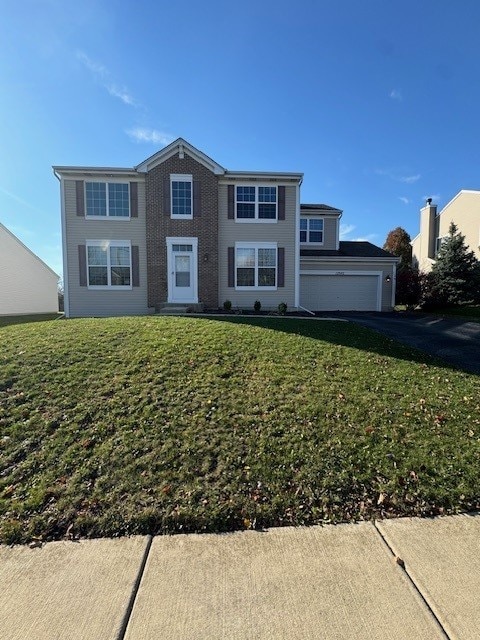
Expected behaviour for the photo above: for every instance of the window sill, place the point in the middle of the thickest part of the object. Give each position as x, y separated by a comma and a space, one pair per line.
109, 288
123, 218
256, 288
256, 220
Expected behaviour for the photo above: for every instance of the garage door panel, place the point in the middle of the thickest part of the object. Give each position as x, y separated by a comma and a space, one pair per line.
339, 293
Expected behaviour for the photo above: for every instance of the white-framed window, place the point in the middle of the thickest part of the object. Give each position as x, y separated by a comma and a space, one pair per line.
256, 265
256, 203
181, 196
109, 264
438, 243
311, 230
107, 199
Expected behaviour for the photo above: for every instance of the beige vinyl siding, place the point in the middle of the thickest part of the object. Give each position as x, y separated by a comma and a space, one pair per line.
464, 211
386, 269
330, 230
27, 285
282, 232
88, 302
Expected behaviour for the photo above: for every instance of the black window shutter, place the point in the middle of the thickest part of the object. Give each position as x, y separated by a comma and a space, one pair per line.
231, 201
134, 199
231, 266
197, 203
166, 197
281, 267
82, 264
281, 203
135, 267
80, 197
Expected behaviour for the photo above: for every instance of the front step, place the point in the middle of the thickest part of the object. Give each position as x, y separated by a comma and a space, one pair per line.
170, 308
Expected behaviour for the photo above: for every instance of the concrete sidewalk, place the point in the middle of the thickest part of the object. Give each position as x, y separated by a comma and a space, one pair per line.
399, 579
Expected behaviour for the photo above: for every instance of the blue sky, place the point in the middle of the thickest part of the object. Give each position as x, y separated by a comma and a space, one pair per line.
376, 102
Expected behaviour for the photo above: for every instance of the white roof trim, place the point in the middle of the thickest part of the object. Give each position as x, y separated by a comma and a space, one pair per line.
2, 226
179, 146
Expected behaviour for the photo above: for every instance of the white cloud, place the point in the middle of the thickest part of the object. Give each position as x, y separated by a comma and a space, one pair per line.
142, 134
404, 200
371, 237
395, 94
410, 179
346, 230
394, 175
103, 75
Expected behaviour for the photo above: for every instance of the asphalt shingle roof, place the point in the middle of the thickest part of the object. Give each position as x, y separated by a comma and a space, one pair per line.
349, 249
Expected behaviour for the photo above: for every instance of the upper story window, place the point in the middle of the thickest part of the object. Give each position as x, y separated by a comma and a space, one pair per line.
109, 264
311, 230
438, 243
256, 203
107, 199
181, 194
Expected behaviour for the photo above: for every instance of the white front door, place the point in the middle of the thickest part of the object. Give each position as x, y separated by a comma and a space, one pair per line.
182, 270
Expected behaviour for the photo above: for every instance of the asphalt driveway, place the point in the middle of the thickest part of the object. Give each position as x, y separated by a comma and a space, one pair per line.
454, 340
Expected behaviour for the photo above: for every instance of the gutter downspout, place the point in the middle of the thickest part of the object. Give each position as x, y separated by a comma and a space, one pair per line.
307, 310
66, 300
297, 247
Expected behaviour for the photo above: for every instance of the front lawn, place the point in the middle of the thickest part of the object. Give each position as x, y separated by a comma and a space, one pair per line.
160, 424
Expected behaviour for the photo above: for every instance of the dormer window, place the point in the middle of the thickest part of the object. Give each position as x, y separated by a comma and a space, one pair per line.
311, 230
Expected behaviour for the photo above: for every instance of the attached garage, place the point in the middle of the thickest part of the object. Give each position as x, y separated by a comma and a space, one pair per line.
341, 290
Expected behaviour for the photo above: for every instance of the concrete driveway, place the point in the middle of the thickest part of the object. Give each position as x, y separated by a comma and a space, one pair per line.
455, 341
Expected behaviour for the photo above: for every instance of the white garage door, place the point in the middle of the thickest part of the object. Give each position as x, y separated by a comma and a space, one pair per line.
339, 292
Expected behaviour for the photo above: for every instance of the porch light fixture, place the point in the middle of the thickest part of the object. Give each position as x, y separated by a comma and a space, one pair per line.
387, 278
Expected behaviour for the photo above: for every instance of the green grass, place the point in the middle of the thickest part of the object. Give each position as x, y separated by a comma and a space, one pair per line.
34, 317
152, 425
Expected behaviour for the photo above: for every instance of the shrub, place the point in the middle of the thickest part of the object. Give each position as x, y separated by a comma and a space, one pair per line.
227, 305
257, 305
282, 308
408, 288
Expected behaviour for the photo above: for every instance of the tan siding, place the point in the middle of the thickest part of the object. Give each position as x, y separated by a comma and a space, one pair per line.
27, 285
330, 235
86, 302
387, 269
464, 211
282, 232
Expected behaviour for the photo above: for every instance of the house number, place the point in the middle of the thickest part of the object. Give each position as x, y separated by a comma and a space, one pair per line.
340, 273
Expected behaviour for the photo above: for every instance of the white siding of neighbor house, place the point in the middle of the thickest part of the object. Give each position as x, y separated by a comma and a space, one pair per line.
283, 232
27, 284
87, 302
386, 269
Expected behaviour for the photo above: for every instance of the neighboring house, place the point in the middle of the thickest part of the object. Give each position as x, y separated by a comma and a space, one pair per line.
27, 285
463, 210
179, 229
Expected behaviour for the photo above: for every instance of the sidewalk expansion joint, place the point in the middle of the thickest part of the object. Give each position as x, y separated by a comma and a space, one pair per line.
402, 565
133, 595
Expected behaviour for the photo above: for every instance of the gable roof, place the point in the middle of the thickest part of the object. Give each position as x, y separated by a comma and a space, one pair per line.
179, 146
350, 249
24, 247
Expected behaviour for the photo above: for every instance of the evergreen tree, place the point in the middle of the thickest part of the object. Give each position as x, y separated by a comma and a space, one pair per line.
398, 243
454, 279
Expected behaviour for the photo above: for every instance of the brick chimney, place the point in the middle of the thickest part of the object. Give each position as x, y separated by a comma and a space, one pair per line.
428, 229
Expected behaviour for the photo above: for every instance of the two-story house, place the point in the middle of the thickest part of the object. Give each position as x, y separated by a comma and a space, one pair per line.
179, 229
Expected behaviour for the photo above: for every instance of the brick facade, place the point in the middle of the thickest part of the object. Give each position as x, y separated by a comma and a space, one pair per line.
159, 226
